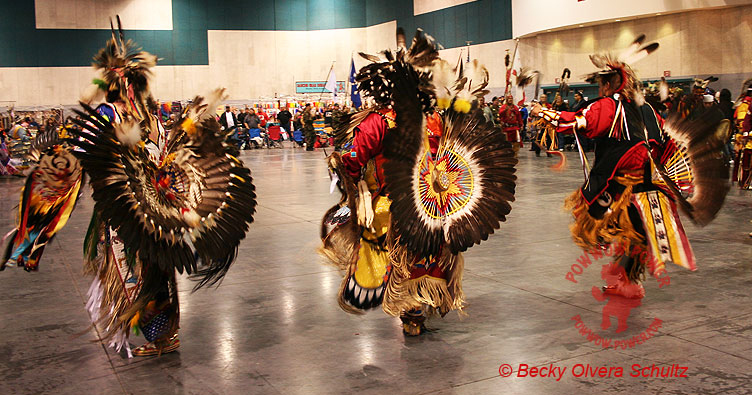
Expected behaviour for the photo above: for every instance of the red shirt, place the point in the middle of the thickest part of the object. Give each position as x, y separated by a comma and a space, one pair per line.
597, 120
510, 117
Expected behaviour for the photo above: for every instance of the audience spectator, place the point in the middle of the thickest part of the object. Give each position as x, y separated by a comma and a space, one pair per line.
579, 104
309, 114
284, 118
495, 107
538, 132
487, 112
228, 119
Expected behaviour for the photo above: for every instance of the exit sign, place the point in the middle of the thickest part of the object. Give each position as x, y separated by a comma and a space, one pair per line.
667, 73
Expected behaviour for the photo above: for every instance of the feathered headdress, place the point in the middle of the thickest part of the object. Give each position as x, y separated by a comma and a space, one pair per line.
629, 86
125, 70
703, 83
375, 79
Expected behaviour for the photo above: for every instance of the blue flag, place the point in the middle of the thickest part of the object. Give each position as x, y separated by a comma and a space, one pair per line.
354, 95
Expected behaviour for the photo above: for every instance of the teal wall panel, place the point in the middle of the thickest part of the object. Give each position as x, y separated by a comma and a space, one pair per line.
22, 45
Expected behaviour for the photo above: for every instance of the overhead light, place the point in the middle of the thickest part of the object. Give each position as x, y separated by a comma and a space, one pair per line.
658, 13
582, 25
618, 20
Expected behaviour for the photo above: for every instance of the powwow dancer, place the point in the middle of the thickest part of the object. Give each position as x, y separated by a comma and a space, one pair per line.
643, 167
423, 177
159, 207
47, 200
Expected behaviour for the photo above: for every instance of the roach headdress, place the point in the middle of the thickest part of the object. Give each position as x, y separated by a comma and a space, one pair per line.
629, 85
125, 70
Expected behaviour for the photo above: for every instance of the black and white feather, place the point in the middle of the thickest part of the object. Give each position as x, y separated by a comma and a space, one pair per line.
197, 203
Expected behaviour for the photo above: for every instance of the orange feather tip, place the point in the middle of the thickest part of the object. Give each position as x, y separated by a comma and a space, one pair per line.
562, 160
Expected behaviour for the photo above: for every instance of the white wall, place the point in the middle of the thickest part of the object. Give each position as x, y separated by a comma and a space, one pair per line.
253, 64
697, 43
264, 63
531, 16
250, 64
96, 14
425, 6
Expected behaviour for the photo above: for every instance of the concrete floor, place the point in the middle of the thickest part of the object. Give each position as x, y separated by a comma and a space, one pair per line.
274, 326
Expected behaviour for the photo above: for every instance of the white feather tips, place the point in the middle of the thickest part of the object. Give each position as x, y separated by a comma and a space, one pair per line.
444, 81
462, 84
128, 132
192, 218
203, 108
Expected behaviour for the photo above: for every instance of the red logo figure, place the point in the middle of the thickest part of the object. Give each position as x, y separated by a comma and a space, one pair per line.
621, 295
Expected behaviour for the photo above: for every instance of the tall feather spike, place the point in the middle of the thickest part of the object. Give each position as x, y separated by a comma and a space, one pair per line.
401, 40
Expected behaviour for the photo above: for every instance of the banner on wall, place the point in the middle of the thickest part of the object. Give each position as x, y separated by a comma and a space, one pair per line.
317, 87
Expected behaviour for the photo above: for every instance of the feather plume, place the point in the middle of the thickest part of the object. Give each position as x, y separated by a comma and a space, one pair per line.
695, 169
128, 132
632, 48
641, 54
564, 85
369, 57
126, 70
444, 82
423, 51
92, 94
525, 76
475, 79
746, 85
401, 40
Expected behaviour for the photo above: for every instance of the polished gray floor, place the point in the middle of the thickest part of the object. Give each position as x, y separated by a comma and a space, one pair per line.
273, 326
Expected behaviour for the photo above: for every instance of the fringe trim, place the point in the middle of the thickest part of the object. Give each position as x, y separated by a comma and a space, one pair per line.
404, 294
614, 228
350, 267
108, 298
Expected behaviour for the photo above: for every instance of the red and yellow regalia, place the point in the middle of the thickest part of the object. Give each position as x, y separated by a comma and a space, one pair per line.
743, 140
415, 177
644, 168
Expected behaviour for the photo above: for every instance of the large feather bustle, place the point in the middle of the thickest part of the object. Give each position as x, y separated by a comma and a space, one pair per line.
48, 198
483, 148
147, 203
698, 141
